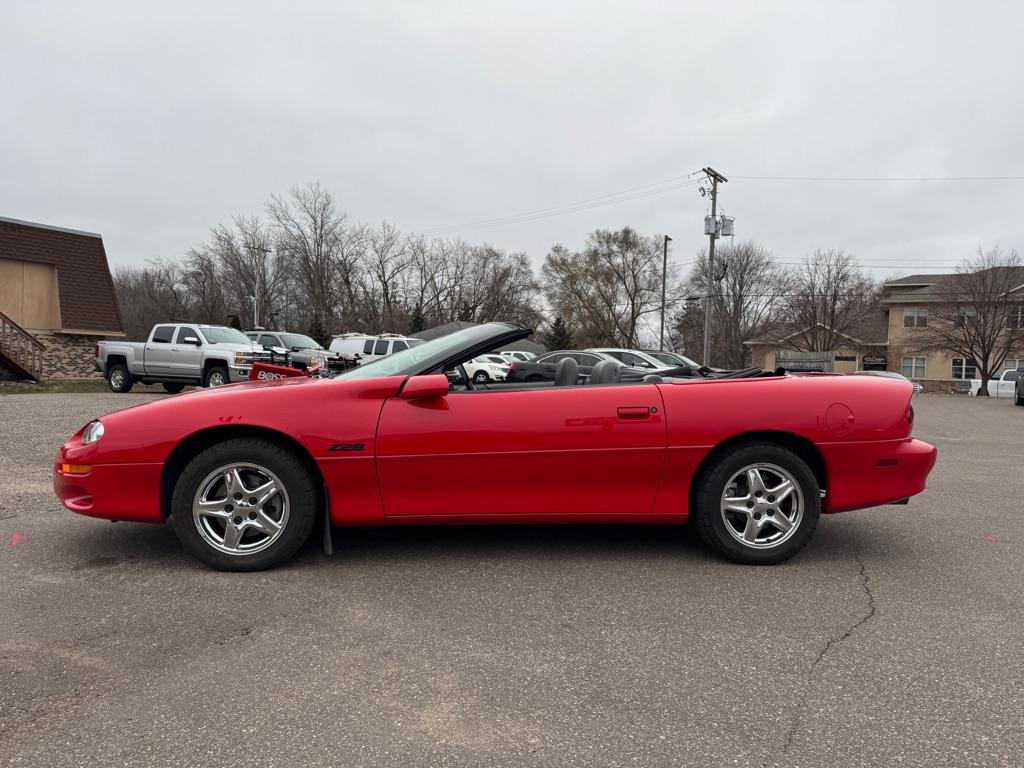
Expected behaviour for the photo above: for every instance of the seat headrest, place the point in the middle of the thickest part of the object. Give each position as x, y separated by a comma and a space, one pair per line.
653, 378
606, 372
567, 372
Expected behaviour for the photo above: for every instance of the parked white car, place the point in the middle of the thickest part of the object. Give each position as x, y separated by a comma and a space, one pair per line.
634, 358
371, 347
1002, 387
487, 368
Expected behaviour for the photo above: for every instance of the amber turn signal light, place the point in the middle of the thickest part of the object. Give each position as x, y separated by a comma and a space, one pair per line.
76, 469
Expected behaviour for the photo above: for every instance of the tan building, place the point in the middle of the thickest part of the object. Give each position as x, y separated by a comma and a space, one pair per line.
896, 339
56, 300
862, 348
910, 303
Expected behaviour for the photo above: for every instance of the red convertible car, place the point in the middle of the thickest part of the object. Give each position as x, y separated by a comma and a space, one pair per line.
246, 472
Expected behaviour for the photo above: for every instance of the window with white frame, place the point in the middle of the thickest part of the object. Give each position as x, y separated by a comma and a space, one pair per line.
964, 369
913, 367
915, 317
1015, 320
1010, 362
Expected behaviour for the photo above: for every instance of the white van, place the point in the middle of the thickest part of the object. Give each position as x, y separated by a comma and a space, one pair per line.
371, 347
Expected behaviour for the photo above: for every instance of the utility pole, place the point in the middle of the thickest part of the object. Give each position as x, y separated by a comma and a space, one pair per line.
263, 251
664, 278
715, 177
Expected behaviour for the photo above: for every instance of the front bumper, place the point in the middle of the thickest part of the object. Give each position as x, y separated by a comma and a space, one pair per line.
238, 373
129, 492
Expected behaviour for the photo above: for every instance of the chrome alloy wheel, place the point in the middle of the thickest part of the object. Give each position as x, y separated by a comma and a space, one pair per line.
240, 509
117, 378
217, 379
762, 506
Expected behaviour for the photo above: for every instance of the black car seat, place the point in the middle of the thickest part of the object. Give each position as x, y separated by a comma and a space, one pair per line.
606, 372
567, 372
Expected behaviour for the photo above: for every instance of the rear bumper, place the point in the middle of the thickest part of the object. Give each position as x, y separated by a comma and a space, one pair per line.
870, 474
129, 492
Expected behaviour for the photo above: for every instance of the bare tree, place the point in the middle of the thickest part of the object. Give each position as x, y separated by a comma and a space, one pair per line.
321, 247
827, 296
746, 296
977, 314
610, 288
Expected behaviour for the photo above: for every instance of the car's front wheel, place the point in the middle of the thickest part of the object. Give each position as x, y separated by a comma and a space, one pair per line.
758, 504
215, 377
481, 377
244, 505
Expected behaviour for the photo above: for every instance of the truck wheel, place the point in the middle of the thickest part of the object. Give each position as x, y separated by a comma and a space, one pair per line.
757, 504
1017, 399
173, 388
119, 379
244, 505
216, 376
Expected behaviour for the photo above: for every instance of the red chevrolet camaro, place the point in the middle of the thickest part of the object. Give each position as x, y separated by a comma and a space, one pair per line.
245, 472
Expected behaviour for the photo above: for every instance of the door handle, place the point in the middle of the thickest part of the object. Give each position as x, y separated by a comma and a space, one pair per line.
634, 412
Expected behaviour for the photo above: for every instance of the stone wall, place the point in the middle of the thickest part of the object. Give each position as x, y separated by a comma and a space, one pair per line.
68, 356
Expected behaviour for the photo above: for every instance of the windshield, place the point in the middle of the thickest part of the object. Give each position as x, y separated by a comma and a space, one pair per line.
299, 341
404, 362
224, 336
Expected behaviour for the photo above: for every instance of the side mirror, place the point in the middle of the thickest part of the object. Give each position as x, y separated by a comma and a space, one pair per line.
432, 386
192, 340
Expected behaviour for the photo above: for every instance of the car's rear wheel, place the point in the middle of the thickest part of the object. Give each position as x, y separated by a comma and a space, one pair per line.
216, 376
244, 505
757, 504
173, 388
119, 379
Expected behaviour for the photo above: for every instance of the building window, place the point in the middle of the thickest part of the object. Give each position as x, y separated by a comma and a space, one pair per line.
1016, 318
964, 314
1013, 364
964, 369
915, 317
845, 358
913, 367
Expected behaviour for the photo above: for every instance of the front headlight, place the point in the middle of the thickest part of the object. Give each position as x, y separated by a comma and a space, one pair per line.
93, 432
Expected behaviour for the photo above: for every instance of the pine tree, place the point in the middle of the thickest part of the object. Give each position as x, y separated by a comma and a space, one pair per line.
317, 333
558, 335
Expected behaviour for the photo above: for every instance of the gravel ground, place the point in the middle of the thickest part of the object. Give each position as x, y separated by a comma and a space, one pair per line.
895, 638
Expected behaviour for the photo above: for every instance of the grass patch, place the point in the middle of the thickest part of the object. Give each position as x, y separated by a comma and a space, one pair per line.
83, 386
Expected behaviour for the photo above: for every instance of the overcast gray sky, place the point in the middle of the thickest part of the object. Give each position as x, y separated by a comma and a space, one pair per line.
150, 124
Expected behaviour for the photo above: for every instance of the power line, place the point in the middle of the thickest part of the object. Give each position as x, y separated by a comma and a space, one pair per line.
611, 198
880, 178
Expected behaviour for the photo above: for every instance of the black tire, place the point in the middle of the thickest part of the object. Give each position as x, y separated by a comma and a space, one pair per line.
481, 377
298, 483
173, 388
213, 372
119, 379
710, 486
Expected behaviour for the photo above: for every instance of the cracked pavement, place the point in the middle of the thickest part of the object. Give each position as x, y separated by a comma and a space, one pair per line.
895, 638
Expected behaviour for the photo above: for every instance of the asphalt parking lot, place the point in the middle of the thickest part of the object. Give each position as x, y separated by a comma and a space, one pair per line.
895, 638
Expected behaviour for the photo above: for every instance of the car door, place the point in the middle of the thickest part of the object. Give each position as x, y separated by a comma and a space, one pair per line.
158, 357
572, 451
187, 357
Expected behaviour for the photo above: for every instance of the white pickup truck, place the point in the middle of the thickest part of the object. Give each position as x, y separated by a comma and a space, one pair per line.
178, 354
1002, 387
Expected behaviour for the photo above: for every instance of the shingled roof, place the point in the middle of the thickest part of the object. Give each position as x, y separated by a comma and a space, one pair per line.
86, 291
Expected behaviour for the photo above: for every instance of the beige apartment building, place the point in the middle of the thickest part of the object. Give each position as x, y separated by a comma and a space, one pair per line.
894, 340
